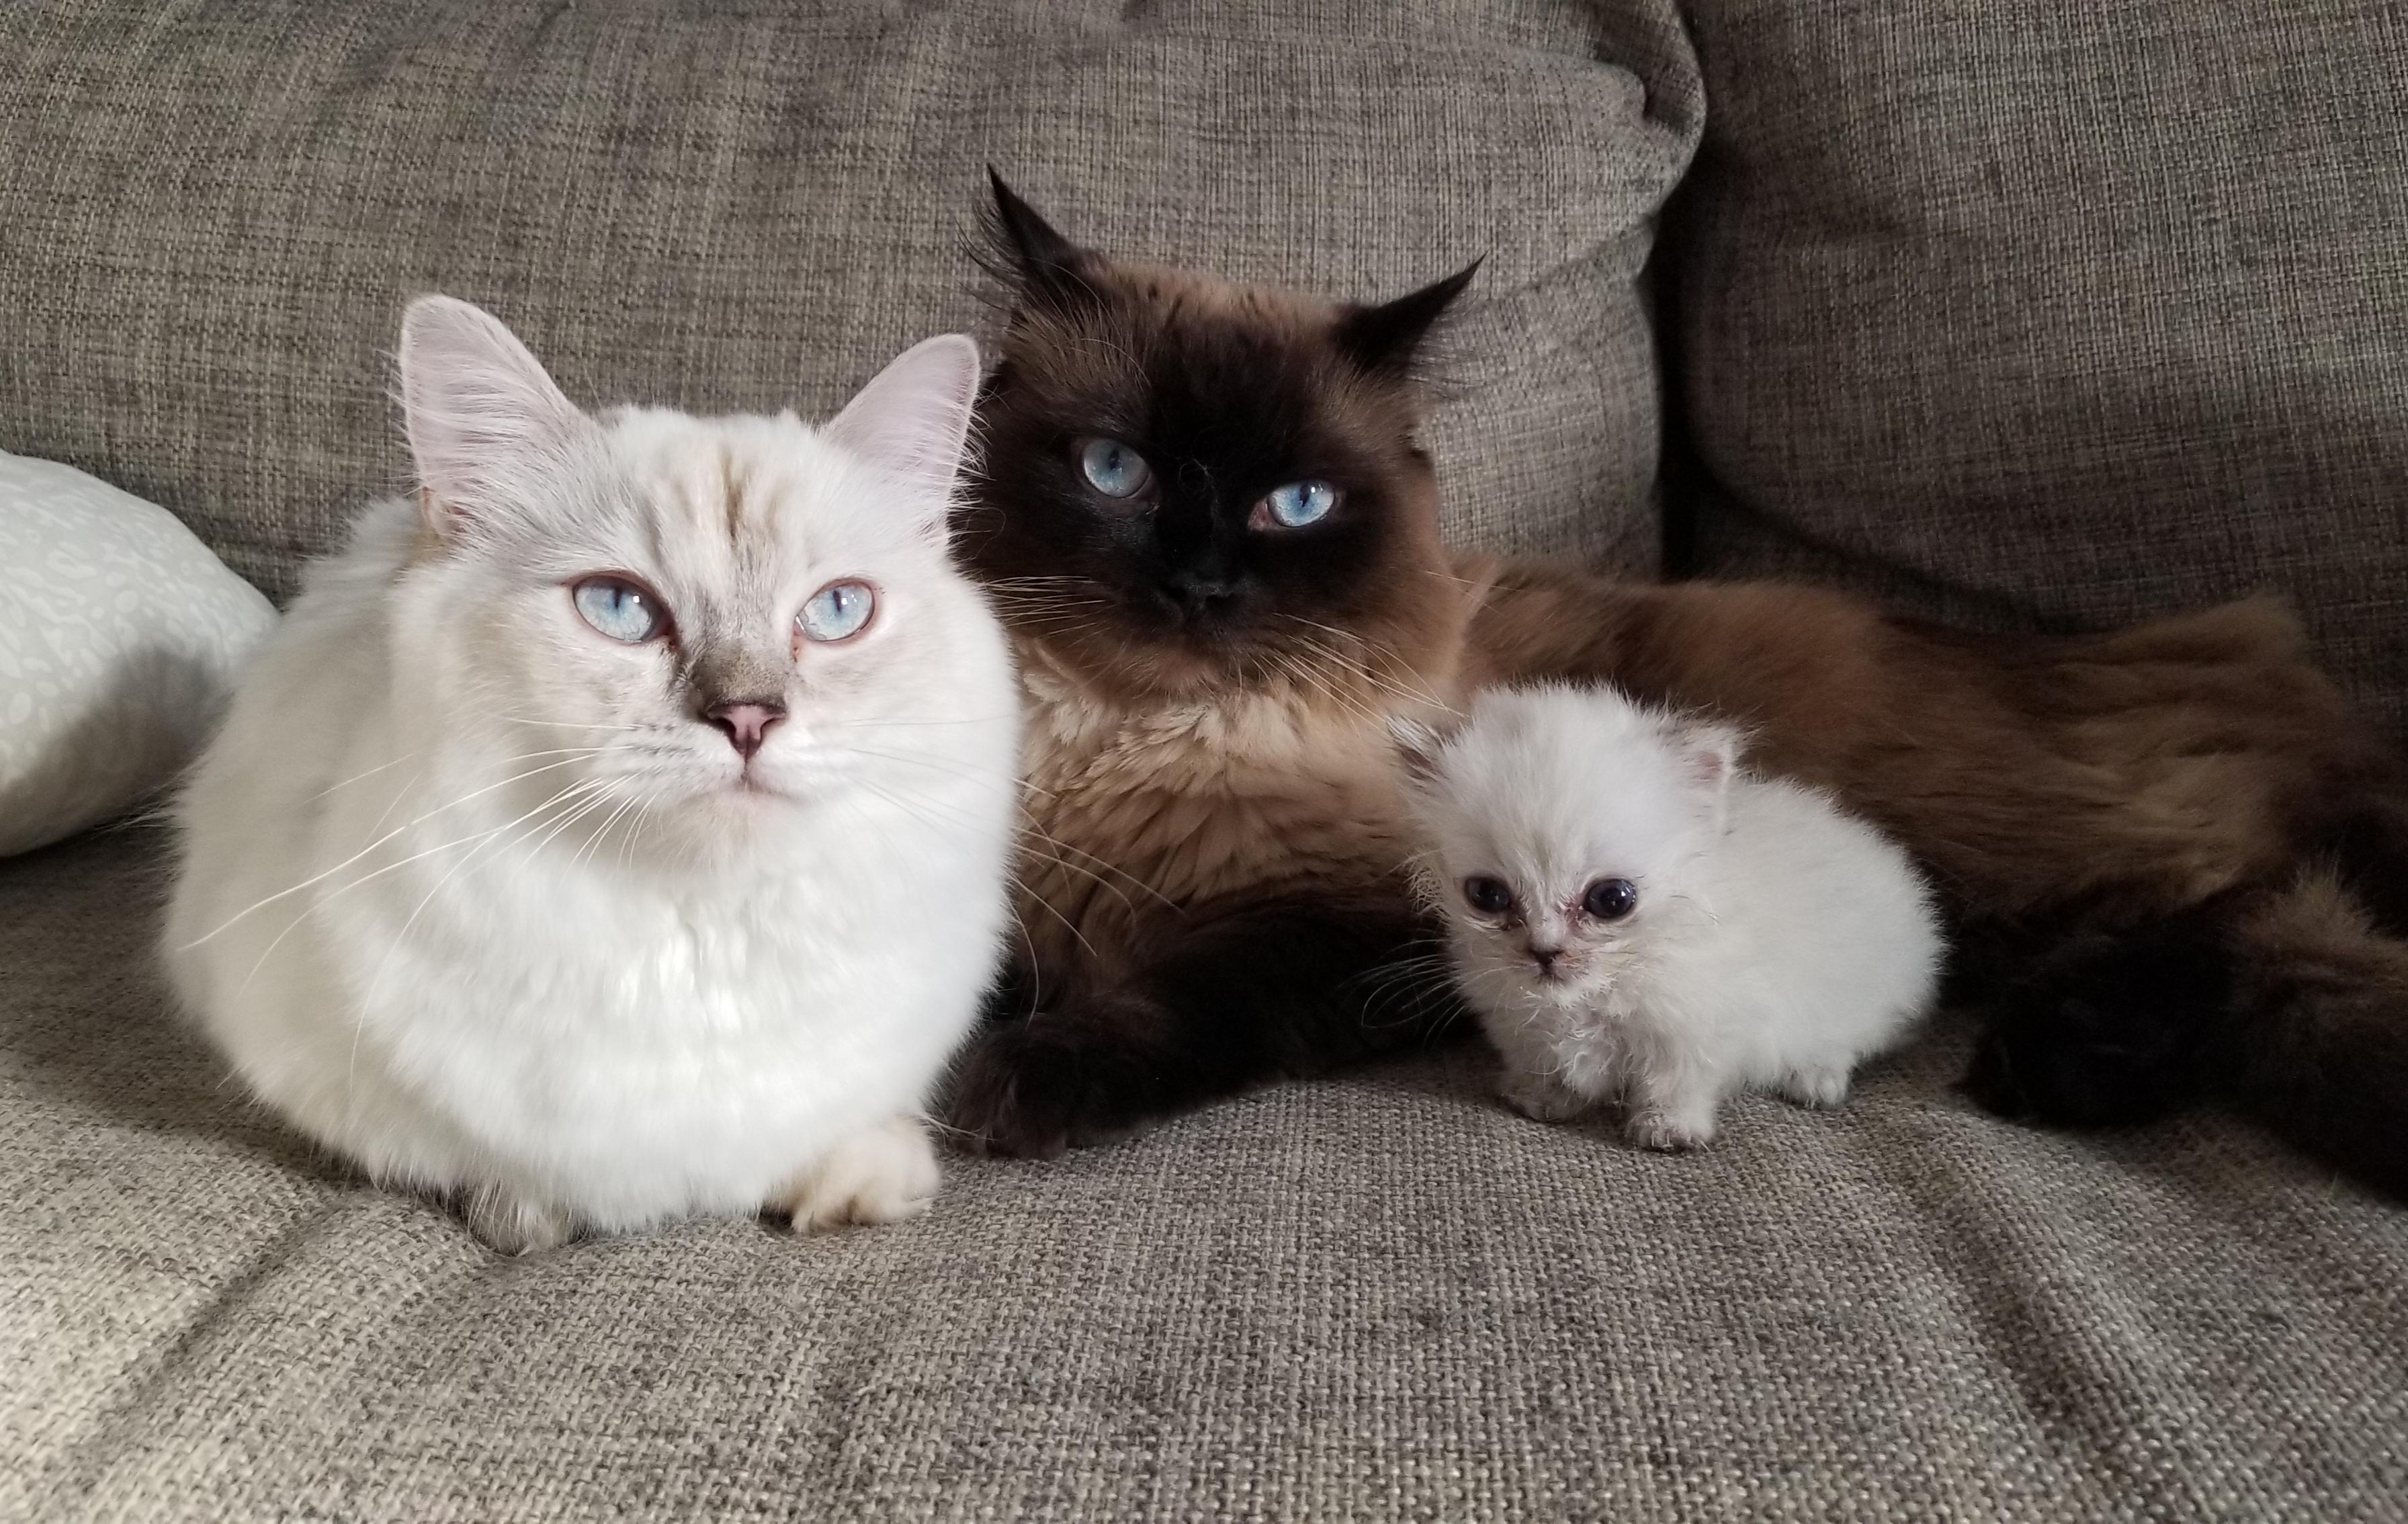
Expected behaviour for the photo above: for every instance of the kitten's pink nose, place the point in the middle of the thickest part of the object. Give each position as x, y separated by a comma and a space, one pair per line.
746, 722
1546, 956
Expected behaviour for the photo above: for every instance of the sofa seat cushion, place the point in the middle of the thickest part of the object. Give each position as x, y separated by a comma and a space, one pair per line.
1380, 1295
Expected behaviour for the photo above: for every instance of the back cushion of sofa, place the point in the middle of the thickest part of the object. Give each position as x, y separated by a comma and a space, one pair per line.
211, 216
2061, 312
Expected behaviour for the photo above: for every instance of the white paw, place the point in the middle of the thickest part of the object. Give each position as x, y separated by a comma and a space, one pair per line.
1821, 1088
1541, 1098
511, 1224
884, 1173
1666, 1133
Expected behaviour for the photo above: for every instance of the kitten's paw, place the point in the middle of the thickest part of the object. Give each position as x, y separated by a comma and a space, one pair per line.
1666, 1132
509, 1223
1036, 1088
1814, 1086
885, 1173
1540, 1097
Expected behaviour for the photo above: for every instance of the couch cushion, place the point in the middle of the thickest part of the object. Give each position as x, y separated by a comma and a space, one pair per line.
1381, 1295
2070, 313
211, 216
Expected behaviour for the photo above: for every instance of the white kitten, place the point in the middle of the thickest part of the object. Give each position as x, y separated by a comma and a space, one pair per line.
618, 831
1632, 921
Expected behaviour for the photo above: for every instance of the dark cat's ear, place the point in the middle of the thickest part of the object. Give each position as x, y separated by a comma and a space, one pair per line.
1029, 253
1387, 337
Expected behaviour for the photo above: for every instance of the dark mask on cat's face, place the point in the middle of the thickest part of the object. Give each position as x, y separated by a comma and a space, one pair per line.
1189, 484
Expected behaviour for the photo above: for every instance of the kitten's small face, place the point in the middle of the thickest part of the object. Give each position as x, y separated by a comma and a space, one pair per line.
658, 616
1562, 827
1188, 482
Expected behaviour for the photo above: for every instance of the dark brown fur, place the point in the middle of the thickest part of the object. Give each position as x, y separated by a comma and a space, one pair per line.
2174, 836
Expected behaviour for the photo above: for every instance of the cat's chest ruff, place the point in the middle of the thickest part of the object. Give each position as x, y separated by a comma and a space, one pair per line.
1197, 799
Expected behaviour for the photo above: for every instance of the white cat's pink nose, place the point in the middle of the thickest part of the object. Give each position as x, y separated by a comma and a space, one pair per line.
1544, 957
746, 723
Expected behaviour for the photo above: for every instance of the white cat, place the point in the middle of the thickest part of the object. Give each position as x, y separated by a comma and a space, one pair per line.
1632, 920
617, 831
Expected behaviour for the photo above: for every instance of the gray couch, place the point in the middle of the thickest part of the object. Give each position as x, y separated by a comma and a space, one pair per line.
2024, 313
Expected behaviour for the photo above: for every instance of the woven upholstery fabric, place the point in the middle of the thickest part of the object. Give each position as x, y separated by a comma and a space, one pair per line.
1380, 1296
210, 215
2081, 313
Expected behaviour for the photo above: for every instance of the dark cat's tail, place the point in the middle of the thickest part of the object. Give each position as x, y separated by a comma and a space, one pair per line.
2315, 1042
2286, 1001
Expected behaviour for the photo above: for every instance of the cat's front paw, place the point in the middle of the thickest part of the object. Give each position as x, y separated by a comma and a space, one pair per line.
885, 1173
508, 1223
1038, 1087
1814, 1086
1540, 1097
1667, 1133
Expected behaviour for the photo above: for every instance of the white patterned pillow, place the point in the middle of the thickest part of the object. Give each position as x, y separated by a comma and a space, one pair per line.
119, 639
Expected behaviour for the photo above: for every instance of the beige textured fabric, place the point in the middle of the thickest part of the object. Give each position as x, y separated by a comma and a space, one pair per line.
1376, 1297
2088, 310
212, 215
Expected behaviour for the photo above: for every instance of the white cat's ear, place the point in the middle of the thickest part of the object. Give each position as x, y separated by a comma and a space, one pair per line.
1712, 750
478, 408
913, 418
1418, 746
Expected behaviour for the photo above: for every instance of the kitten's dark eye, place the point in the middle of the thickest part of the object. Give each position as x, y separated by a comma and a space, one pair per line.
1611, 899
1489, 897
621, 608
1294, 506
1113, 468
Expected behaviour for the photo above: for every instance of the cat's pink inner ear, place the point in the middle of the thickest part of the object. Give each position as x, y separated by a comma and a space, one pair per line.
1713, 753
913, 418
478, 408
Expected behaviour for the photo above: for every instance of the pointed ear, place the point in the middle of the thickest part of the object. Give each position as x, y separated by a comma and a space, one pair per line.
1387, 337
913, 420
1712, 750
477, 407
1030, 254
1419, 746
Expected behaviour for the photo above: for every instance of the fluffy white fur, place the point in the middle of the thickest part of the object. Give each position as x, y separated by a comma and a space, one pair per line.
1775, 942
477, 896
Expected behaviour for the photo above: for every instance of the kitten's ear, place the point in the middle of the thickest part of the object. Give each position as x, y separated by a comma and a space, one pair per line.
1034, 256
1712, 751
1387, 337
477, 407
1418, 746
913, 420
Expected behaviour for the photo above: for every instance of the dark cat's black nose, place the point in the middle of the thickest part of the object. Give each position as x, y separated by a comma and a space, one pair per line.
1198, 594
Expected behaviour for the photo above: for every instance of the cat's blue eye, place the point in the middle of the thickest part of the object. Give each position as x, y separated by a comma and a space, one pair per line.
1300, 503
837, 611
620, 609
1113, 468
